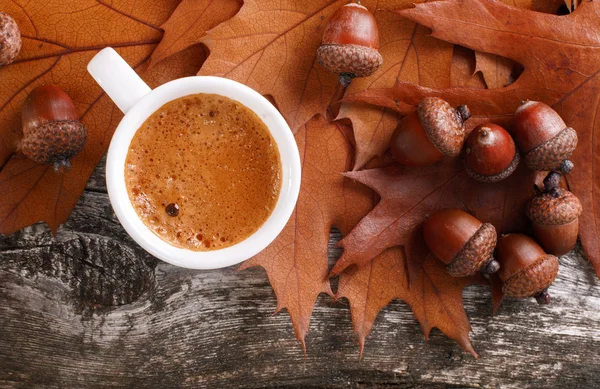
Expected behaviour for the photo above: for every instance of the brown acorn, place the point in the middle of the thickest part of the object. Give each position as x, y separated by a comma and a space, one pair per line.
525, 269
554, 216
461, 241
544, 137
350, 45
10, 39
490, 153
52, 132
424, 137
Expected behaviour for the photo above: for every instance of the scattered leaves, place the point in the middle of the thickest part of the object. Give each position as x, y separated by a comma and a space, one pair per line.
272, 49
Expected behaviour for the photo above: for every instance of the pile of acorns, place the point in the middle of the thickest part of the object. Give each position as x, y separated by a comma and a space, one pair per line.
350, 48
52, 132
490, 154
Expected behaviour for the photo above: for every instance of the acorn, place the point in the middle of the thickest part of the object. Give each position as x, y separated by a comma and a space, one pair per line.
525, 268
434, 130
554, 216
350, 45
52, 132
10, 39
461, 241
544, 137
490, 153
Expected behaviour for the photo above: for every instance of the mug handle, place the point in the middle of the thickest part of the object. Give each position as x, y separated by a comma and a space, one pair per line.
120, 82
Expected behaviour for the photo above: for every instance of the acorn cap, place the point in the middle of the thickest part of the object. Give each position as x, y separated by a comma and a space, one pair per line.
475, 253
55, 142
496, 177
551, 154
10, 39
443, 124
558, 207
361, 61
533, 279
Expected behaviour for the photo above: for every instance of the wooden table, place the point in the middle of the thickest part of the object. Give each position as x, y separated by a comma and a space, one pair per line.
89, 308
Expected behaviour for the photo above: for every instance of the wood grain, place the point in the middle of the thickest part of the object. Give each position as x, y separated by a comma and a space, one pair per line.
91, 309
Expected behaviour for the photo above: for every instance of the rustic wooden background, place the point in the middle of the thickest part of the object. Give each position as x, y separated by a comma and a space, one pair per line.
91, 309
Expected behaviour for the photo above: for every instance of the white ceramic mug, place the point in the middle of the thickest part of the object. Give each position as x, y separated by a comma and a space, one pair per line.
138, 102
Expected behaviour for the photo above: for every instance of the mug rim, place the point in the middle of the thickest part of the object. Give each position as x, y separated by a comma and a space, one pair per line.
212, 259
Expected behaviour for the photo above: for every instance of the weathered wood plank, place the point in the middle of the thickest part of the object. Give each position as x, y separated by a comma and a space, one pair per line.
89, 308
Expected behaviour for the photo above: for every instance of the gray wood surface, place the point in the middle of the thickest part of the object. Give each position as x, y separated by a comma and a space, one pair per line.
90, 309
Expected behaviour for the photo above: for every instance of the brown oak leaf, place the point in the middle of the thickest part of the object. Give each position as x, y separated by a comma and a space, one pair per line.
434, 296
369, 288
463, 72
271, 47
572, 5
436, 301
561, 68
189, 23
408, 195
296, 262
56, 51
497, 71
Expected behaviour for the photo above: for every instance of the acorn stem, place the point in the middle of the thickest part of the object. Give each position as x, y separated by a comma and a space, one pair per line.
346, 78
566, 166
552, 182
492, 266
543, 297
463, 112
62, 166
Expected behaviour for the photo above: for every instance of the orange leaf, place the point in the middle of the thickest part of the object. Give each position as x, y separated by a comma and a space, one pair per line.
371, 287
296, 262
496, 70
463, 69
434, 297
56, 51
436, 301
189, 23
373, 127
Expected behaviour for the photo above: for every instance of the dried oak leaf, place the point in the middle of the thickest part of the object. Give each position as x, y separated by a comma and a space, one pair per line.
434, 296
408, 195
411, 55
296, 262
56, 49
189, 22
463, 73
271, 47
561, 68
496, 70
